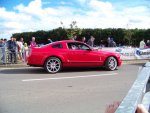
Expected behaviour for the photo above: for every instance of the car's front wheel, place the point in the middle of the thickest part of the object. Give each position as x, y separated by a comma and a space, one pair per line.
53, 65
111, 63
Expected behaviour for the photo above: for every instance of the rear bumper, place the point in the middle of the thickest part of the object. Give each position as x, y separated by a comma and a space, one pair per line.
34, 61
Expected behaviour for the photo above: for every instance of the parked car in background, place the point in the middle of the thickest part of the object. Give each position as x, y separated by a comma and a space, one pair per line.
69, 53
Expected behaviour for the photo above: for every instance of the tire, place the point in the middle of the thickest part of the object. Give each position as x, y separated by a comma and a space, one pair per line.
53, 65
111, 64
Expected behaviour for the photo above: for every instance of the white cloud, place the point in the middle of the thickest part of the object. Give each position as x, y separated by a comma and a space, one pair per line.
82, 2
97, 14
99, 5
46, 2
7, 15
34, 8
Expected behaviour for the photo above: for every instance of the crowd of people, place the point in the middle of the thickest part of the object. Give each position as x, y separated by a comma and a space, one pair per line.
144, 45
14, 51
110, 41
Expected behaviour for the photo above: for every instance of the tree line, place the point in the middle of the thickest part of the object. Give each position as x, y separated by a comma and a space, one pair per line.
121, 36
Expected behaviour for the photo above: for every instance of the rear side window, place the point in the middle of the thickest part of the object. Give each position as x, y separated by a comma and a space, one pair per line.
57, 46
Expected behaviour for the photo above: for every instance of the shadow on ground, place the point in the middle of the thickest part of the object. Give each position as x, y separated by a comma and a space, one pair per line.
37, 70
23, 71
138, 64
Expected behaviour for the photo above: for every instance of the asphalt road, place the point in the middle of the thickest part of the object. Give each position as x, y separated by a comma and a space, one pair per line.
32, 90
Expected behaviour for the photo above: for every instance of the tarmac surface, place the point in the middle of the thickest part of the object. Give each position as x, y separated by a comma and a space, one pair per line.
32, 90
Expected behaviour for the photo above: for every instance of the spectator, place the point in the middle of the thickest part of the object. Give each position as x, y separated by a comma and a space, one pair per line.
112, 42
26, 46
49, 41
83, 39
1, 42
5, 40
4, 51
20, 48
142, 44
91, 41
33, 43
102, 43
148, 43
108, 41
26, 51
1, 48
74, 37
12, 47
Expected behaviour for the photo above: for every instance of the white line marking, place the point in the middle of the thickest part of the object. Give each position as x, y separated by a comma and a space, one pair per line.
86, 76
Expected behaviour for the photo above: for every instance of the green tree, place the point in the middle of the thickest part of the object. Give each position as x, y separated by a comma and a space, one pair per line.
128, 37
73, 30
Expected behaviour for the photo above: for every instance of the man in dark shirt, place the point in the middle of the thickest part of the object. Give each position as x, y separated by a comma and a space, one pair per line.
12, 46
91, 41
148, 43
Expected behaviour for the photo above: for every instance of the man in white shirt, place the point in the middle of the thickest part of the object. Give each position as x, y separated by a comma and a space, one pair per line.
142, 44
20, 48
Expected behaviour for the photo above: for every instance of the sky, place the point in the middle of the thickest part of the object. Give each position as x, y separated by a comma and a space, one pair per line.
18, 16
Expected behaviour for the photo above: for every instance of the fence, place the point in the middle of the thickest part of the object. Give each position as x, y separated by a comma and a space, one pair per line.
139, 92
130, 53
2, 55
7, 56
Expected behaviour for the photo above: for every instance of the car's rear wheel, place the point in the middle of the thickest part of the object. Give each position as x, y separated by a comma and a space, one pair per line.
53, 65
111, 63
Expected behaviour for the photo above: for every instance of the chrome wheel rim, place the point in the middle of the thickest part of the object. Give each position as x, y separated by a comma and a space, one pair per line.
53, 65
112, 63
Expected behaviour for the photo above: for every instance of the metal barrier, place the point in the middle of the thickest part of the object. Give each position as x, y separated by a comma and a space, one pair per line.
137, 92
5, 55
2, 55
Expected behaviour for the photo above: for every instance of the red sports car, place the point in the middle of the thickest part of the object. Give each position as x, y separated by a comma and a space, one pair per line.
69, 53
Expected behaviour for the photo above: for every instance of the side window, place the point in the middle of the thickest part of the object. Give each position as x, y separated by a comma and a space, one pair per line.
83, 47
73, 46
57, 46
69, 45
78, 46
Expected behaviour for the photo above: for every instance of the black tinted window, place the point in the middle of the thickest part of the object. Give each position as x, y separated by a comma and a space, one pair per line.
72, 46
57, 46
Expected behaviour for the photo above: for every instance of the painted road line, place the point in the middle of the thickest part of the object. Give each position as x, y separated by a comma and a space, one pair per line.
60, 78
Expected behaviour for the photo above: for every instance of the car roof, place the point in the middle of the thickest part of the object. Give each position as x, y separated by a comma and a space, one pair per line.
68, 41
62, 41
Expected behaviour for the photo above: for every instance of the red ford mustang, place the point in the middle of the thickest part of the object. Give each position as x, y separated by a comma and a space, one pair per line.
68, 53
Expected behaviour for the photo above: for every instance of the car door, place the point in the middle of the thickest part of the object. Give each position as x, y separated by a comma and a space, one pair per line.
81, 54
73, 57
